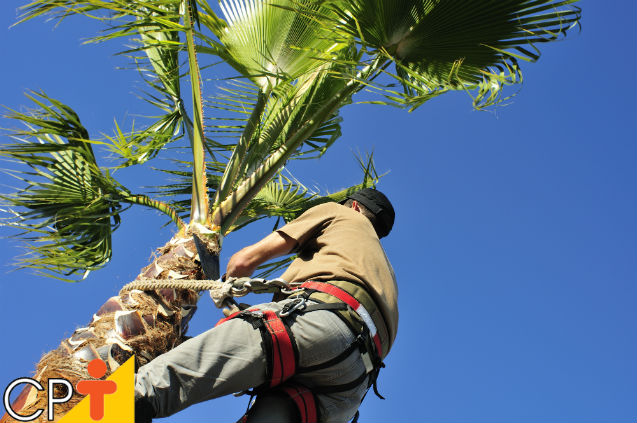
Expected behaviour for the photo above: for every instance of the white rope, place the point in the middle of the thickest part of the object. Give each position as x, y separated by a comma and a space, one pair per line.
219, 290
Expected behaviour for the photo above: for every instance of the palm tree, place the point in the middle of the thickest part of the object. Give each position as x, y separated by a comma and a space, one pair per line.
295, 64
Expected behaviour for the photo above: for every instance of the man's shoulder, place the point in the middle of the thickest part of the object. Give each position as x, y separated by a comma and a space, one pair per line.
329, 207
331, 210
329, 213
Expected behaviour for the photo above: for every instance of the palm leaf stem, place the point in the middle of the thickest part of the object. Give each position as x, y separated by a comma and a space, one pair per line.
239, 153
187, 121
199, 204
161, 206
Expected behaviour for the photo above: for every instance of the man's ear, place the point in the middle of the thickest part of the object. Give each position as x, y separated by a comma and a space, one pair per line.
355, 206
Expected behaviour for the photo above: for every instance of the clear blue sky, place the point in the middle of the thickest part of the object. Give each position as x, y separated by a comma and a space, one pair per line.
514, 246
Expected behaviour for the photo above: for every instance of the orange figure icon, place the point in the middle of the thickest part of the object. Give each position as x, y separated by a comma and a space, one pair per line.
96, 389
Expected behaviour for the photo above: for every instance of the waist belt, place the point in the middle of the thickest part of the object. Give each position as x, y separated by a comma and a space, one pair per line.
356, 310
358, 307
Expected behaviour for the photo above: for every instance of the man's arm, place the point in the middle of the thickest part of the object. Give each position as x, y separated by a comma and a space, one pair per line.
245, 261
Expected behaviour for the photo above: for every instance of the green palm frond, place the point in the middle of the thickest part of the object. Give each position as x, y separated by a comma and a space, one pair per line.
153, 27
441, 45
320, 140
237, 160
159, 67
300, 61
67, 207
286, 198
265, 130
231, 107
299, 111
120, 15
283, 197
294, 105
269, 42
159, 24
177, 190
138, 146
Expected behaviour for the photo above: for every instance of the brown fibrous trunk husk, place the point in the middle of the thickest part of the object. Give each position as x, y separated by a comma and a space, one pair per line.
141, 323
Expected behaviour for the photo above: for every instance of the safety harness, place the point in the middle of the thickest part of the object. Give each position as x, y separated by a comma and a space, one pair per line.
353, 305
279, 345
304, 400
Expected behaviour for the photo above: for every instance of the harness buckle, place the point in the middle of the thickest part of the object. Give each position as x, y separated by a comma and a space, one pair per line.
367, 361
255, 314
294, 305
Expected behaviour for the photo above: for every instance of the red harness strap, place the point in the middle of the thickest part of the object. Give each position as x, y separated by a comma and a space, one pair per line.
283, 360
304, 400
345, 297
276, 336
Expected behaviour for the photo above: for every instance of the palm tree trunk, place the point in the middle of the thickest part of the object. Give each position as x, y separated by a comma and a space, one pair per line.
141, 323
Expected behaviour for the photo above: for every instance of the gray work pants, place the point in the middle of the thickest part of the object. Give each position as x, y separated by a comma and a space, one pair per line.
229, 358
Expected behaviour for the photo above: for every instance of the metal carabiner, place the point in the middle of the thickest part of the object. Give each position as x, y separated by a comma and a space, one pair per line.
297, 304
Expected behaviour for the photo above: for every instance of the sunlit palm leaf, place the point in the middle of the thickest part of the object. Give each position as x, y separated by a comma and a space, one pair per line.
67, 207
237, 160
154, 27
271, 42
161, 45
456, 44
139, 146
264, 131
303, 109
294, 107
287, 198
121, 15
283, 197
290, 108
317, 144
177, 190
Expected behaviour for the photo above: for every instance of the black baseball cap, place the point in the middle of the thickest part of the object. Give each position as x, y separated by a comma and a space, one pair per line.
377, 203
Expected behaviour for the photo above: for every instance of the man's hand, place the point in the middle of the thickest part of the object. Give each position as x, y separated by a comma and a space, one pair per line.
245, 261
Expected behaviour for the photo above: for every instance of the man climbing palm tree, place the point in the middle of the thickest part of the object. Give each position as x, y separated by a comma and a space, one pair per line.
311, 356
297, 64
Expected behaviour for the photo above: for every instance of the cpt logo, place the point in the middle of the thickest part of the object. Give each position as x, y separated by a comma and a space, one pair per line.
107, 401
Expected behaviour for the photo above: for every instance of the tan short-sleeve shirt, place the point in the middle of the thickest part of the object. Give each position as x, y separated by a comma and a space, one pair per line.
338, 243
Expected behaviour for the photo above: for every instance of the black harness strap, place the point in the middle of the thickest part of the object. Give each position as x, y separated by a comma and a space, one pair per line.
340, 388
360, 342
357, 344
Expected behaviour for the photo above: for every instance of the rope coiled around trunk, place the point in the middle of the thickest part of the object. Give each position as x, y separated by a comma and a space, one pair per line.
152, 284
220, 290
